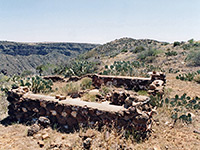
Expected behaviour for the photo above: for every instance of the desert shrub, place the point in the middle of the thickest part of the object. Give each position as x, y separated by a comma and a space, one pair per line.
148, 55
3, 79
72, 88
37, 84
172, 70
45, 69
26, 73
119, 68
114, 54
171, 53
89, 97
194, 58
191, 45
197, 78
196, 44
188, 76
191, 41
142, 92
4, 87
90, 54
5, 83
105, 90
124, 51
176, 44
138, 49
86, 83
186, 46
137, 64
179, 106
128, 68
155, 101
122, 68
79, 68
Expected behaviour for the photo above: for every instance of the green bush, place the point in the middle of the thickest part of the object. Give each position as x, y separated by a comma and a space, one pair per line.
114, 54
86, 83
119, 68
77, 68
124, 51
5, 83
189, 76
127, 68
186, 76
142, 92
72, 88
176, 44
89, 97
194, 58
171, 53
138, 49
148, 55
26, 73
179, 106
191, 41
186, 46
38, 85
197, 78
105, 90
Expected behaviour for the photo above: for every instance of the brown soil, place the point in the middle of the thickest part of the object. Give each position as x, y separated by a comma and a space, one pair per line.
163, 137
181, 137
180, 87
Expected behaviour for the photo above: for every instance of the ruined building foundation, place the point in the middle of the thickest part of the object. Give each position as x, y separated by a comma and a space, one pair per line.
71, 113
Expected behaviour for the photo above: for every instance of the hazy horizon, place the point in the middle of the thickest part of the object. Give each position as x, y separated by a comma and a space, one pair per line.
85, 42
98, 21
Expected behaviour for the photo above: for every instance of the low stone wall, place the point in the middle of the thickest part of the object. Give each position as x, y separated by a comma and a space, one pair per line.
129, 83
154, 84
71, 113
55, 78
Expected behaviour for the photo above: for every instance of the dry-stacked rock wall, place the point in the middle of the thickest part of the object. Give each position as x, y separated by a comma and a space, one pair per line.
70, 113
124, 109
129, 83
154, 84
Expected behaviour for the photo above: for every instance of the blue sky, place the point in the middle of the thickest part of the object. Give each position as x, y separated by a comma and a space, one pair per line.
98, 21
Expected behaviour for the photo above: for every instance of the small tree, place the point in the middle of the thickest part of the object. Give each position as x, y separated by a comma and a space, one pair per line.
191, 41
40, 69
176, 44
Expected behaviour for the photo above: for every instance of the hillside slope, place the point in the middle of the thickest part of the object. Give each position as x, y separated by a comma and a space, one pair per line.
18, 57
177, 55
116, 46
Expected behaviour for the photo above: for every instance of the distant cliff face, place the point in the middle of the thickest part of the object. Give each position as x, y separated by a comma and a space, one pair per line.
18, 57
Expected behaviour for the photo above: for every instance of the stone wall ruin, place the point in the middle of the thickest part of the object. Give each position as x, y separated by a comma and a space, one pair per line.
70, 113
123, 109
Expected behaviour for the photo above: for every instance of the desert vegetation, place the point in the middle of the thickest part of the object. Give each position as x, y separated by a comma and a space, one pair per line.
189, 76
176, 116
77, 68
129, 68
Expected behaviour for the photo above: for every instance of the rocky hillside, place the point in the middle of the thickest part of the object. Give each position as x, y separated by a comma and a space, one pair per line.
18, 57
124, 44
160, 54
